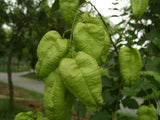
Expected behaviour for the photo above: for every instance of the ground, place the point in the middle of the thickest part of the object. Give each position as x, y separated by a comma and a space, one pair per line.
25, 99
22, 97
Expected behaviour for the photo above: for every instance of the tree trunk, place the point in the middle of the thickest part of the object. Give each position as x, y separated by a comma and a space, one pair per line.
10, 83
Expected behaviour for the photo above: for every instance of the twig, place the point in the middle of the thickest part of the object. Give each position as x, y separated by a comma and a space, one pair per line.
68, 30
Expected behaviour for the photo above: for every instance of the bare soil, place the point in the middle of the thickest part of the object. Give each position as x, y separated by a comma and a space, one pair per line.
21, 97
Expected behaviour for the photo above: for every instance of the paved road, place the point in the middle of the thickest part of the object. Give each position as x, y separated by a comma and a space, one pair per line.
38, 86
26, 83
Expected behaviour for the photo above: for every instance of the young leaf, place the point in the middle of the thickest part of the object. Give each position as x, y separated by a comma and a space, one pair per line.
50, 51
139, 7
130, 65
82, 77
25, 116
68, 9
57, 100
39, 116
92, 39
147, 112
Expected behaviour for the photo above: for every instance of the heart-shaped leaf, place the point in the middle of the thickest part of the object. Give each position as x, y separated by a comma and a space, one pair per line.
51, 49
130, 65
92, 39
68, 9
57, 99
139, 7
82, 77
147, 112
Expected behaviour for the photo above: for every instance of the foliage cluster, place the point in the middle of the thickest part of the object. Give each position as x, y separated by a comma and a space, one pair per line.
140, 32
128, 61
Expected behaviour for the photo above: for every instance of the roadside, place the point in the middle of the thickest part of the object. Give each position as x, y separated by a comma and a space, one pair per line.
26, 83
25, 100
38, 86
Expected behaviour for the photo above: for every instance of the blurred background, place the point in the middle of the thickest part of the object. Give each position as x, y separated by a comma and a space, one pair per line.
24, 22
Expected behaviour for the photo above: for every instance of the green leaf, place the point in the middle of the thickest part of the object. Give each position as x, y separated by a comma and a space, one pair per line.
139, 7
24, 116
39, 116
122, 22
147, 112
132, 91
152, 63
115, 3
55, 5
57, 99
69, 116
92, 39
102, 115
124, 14
114, 16
136, 25
130, 103
156, 75
82, 77
51, 49
107, 82
68, 9
130, 65
108, 98
115, 9
132, 33
87, 18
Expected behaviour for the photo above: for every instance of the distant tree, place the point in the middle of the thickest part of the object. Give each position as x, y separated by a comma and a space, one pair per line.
3, 19
20, 14
29, 21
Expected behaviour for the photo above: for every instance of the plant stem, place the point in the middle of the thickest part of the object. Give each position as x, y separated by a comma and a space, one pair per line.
65, 33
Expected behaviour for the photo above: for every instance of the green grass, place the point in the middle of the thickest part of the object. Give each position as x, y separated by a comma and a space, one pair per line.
6, 113
14, 68
32, 76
